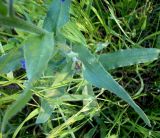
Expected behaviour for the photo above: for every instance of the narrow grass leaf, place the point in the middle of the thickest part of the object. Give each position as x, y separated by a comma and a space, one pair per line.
71, 32
3, 9
37, 53
88, 91
91, 133
95, 73
128, 57
57, 16
69, 98
116, 20
158, 42
7, 99
30, 116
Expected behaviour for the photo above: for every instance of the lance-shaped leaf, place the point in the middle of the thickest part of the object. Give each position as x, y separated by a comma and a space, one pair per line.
11, 61
37, 53
29, 117
20, 24
17, 106
128, 57
95, 73
57, 16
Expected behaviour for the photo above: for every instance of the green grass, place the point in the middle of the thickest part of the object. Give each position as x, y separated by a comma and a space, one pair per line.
83, 111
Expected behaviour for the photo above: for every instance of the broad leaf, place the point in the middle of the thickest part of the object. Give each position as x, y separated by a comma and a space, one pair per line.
11, 61
128, 57
37, 52
57, 16
94, 73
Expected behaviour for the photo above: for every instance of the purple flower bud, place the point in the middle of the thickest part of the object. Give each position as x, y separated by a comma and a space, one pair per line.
23, 64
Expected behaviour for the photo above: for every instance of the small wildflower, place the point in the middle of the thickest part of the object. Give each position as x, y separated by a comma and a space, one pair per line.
23, 63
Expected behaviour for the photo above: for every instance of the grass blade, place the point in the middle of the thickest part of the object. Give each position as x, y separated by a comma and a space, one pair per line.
3, 9
30, 116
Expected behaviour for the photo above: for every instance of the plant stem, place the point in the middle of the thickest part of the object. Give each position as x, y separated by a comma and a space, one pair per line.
10, 8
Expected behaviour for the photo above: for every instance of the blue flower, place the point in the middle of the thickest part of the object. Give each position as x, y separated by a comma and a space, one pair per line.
23, 64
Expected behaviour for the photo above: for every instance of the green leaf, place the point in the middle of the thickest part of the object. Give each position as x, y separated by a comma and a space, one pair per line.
57, 16
69, 98
95, 73
71, 32
144, 24
158, 42
88, 91
11, 61
45, 112
8, 99
91, 133
30, 116
3, 9
37, 53
74, 97
128, 57
17, 106
46, 108
20, 24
